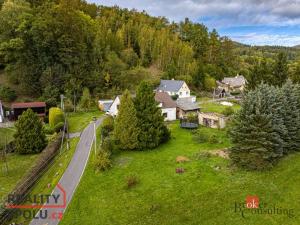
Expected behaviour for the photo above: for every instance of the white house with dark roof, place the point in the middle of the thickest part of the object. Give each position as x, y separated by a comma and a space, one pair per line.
167, 105
114, 107
174, 87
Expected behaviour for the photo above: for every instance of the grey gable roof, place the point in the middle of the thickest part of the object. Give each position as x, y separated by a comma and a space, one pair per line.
234, 81
170, 85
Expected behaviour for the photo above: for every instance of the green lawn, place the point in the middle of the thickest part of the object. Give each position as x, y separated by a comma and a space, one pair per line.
216, 107
53, 174
202, 195
79, 120
8, 133
18, 165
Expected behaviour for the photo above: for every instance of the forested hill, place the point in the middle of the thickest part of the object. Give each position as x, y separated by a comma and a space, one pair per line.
60, 46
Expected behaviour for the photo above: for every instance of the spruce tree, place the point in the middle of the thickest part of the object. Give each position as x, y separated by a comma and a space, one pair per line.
29, 137
291, 117
256, 131
126, 125
150, 119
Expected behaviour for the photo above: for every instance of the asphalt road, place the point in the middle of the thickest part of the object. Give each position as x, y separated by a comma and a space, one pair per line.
69, 180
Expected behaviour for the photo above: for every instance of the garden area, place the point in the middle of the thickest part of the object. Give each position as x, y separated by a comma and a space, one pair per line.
207, 105
6, 133
147, 187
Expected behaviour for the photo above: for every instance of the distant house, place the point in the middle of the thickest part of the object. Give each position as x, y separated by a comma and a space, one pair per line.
237, 83
104, 105
114, 107
165, 102
174, 87
167, 105
1, 113
37, 107
220, 92
186, 106
212, 120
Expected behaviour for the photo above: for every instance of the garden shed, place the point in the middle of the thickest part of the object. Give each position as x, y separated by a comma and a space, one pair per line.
212, 120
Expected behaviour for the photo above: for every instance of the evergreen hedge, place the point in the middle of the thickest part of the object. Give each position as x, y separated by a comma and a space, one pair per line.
56, 116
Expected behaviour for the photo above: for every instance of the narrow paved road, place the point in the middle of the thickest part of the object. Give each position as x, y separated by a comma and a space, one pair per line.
70, 179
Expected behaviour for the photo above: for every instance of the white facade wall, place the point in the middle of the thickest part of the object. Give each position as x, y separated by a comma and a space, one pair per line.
184, 91
169, 113
114, 108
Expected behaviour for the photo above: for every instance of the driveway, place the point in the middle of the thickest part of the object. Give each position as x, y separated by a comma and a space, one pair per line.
69, 180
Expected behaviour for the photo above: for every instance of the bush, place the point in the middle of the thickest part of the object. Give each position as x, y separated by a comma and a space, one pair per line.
56, 116
107, 126
48, 130
213, 139
228, 111
69, 107
59, 127
29, 137
107, 145
166, 134
175, 97
199, 136
7, 94
51, 96
131, 181
192, 117
85, 100
102, 161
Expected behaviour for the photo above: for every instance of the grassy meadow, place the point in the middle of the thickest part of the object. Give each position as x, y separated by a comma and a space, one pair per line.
206, 193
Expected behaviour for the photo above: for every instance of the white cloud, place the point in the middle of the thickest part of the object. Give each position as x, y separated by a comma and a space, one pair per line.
267, 39
239, 12
222, 14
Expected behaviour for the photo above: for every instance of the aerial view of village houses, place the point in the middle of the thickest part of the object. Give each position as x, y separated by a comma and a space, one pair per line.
139, 112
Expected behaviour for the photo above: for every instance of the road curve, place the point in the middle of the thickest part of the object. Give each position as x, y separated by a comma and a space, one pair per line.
69, 181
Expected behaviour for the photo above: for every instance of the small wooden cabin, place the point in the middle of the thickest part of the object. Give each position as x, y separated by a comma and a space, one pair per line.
19, 108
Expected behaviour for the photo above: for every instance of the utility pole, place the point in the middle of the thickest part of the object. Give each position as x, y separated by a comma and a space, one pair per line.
62, 103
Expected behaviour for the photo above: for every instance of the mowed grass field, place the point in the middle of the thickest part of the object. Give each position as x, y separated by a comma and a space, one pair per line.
207, 106
79, 120
206, 193
17, 165
6, 135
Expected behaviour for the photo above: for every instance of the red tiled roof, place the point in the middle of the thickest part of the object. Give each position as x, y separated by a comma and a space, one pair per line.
28, 105
165, 99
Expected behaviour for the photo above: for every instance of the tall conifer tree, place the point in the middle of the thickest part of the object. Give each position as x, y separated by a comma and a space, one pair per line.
126, 125
257, 130
291, 116
150, 119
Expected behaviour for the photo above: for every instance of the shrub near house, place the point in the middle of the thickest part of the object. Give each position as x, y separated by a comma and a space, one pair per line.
29, 137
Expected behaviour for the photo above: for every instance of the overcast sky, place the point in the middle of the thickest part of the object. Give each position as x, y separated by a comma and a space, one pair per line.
256, 22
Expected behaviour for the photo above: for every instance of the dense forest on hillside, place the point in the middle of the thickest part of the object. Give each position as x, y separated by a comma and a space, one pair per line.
61, 46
